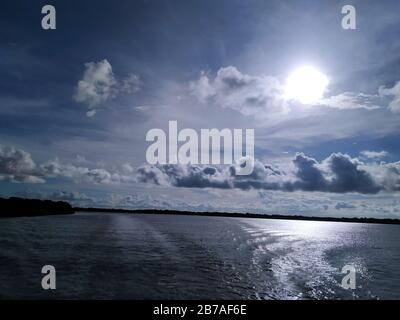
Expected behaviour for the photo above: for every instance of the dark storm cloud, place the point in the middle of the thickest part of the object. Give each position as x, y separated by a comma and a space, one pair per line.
310, 176
339, 173
349, 176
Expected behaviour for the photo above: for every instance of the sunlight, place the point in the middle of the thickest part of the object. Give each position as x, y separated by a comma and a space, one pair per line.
306, 85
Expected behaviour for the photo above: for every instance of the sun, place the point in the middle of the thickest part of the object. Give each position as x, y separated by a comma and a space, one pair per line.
306, 85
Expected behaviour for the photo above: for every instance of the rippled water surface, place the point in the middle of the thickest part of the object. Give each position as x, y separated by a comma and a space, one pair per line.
106, 256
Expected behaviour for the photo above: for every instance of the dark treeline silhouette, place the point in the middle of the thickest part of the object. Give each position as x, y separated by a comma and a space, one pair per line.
243, 215
18, 207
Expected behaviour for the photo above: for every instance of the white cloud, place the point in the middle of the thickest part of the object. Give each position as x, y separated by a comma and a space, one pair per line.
69, 196
247, 94
99, 85
351, 100
373, 154
141, 108
91, 113
252, 94
128, 168
387, 174
17, 166
393, 92
56, 168
130, 84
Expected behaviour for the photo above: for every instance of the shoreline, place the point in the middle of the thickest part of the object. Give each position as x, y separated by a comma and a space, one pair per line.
18, 207
241, 215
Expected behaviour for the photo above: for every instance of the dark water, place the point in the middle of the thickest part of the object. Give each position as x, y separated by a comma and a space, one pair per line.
107, 256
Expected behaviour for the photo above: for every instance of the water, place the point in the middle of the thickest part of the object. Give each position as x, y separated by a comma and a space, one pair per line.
110, 256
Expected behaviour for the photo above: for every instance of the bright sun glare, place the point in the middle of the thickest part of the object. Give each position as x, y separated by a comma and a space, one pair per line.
306, 85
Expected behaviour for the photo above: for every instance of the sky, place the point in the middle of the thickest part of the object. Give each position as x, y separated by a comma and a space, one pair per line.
76, 103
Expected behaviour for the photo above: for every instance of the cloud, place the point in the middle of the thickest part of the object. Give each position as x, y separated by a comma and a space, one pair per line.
393, 92
252, 94
16, 165
345, 174
56, 168
338, 173
130, 84
351, 100
69, 196
388, 175
73, 197
245, 93
260, 95
344, 205
183, 176
128, 168
99, 85
373, 154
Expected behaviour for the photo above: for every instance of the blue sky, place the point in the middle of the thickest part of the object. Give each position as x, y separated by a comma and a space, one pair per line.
76, 103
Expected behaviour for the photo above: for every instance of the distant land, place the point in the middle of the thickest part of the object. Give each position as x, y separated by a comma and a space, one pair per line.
18, 207
242, 215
